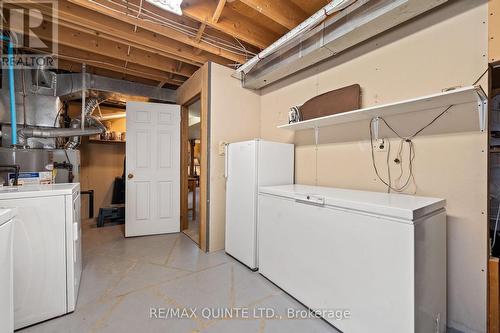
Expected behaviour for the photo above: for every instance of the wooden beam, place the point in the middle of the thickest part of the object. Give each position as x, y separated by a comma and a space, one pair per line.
200, 32
153, 34
103, 62
79, 18
162, 83
96, 44
197, 87
233, 24
170, 60
286, 13
179, 66
493, 296
218, 11
75, 67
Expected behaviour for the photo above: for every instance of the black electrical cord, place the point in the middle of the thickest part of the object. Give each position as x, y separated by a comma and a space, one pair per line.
411, 157
481, 76
432, 122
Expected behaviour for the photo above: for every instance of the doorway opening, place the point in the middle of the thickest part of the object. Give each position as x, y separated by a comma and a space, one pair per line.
191, 140
102, 168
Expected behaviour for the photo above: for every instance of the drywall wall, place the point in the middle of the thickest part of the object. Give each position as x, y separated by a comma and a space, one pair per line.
234, 116
445, 48
100, 164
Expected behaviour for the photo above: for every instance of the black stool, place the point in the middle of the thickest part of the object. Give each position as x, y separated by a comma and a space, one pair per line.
114, 213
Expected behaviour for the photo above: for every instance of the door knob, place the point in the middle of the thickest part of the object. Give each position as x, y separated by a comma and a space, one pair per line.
130, 176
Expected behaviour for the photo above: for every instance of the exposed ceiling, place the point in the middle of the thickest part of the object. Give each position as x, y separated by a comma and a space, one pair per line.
137, 41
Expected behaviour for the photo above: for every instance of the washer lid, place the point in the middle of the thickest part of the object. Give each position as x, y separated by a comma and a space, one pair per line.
34, 190
6, 215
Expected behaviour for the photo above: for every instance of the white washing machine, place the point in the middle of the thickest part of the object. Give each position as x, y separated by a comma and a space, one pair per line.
47, 250
6, 279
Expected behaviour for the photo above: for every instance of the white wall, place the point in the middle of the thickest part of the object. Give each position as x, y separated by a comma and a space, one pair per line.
234, 116
445, 48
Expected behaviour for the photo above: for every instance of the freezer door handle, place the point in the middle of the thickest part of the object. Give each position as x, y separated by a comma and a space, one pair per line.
226, 161
310, 199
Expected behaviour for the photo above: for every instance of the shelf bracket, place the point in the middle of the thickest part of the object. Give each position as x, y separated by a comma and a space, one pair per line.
375, 127
482, 108
316, 135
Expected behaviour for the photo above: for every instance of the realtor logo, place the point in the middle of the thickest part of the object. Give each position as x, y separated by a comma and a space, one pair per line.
29, 33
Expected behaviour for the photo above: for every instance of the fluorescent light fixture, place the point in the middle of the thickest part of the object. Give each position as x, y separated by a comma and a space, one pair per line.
173, 6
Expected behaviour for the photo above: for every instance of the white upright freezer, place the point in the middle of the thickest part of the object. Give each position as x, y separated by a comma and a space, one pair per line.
251, 164
6, 270
47, 250
366, 261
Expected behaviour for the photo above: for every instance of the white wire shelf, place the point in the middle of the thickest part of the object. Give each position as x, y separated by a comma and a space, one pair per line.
465, 95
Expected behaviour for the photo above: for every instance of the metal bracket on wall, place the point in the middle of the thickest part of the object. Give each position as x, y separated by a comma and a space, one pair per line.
482, 108
375, 127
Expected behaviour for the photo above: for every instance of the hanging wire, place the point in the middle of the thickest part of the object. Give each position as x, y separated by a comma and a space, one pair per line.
411, 157
144, 14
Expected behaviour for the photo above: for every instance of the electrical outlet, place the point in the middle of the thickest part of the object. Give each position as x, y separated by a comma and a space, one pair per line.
380, 145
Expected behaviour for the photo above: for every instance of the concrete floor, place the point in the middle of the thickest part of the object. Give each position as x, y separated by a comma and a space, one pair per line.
124, 278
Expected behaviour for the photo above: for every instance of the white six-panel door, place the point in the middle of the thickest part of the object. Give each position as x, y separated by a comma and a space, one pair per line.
152, 169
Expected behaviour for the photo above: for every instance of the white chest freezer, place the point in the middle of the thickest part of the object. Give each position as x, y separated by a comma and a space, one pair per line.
6, 278
366, 261
251, 164
47, 250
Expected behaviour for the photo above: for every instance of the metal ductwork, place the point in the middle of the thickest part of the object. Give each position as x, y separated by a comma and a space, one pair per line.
45, 91
70, 87
91, 121
39, 132
360, 21
75, 132
41, 98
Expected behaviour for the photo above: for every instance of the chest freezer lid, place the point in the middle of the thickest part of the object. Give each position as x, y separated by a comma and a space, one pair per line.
43, 190
6, 215
400, 206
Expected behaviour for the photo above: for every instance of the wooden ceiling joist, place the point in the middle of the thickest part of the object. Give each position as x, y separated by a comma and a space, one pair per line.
76, 17
75, 67
232, 23
144, 42
156, 32
200, 32
283, 12
218, 11
189, 69
96, 44
169, 62
102, 62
